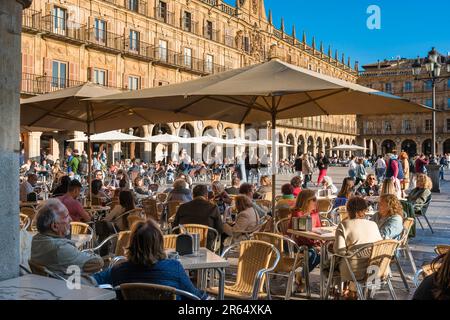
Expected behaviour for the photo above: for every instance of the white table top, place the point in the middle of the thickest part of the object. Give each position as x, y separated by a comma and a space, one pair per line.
206, 260
323, 234
34, 287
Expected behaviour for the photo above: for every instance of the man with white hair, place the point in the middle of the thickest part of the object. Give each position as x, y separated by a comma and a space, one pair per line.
52, 248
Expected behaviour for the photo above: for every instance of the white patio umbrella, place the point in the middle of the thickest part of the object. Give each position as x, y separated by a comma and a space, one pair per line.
269, 143
167, 138
110, 137
346, 147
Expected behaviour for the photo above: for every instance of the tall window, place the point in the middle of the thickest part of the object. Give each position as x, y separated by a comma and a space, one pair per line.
388, 87
448, 124
229, 39
100, 77
429, 102
387, 126
448, 84
188, 57
407, 125
163, 50
59, 74
246, 44
428, 85
448, 103
162, 11
133, 5
209, 63
134, 40
408, 86
59, 20
209, 30
428, 125
100, 31
133, 83
187, 21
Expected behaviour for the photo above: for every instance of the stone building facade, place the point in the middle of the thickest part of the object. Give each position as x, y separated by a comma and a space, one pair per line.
136, 44
409, 132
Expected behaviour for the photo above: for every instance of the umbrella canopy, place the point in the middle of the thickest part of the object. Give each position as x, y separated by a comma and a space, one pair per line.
269, 143
263, 91
67, 109
111, 137
167, 138
345, 147
208, 139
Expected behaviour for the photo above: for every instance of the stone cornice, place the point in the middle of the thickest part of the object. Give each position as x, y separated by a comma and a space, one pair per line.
25, 3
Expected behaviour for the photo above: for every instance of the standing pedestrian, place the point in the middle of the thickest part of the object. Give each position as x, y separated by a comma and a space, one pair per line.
306, 170
322, 165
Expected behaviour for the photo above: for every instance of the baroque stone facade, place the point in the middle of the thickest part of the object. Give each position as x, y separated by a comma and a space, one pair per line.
135, 44
409, 132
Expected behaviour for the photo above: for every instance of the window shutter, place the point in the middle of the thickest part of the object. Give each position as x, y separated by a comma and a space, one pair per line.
125, 81
47, 67
143, 83
90, 74
111, 79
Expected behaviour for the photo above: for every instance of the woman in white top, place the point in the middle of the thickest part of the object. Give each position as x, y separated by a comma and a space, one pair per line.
352, 234
327, 184
126, 203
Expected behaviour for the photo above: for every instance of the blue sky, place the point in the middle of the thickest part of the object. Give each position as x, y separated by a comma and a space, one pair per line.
405, 26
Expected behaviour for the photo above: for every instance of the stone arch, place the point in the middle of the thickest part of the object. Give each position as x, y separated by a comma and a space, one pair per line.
187, 130
426, 147
310, 144
301, 145
387, 146
410, 147
446, 146
328, 147
229, 151
319, 145
161, 152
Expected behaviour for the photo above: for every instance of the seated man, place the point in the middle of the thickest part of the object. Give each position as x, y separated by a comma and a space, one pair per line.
200, 211
27, 187
51, 248
76, 211
235, 184
247, 190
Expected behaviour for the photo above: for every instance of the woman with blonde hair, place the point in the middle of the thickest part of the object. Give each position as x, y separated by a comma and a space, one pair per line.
265, 190
422, 192
404, 184
389, 217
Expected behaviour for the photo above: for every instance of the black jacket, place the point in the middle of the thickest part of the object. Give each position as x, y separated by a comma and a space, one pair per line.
298, 164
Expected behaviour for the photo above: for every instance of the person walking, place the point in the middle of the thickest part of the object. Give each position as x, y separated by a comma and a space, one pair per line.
380, 168
352, 167
322, 165
360, 172
306, 170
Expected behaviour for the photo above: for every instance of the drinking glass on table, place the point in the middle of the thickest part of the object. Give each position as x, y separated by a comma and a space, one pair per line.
371, 193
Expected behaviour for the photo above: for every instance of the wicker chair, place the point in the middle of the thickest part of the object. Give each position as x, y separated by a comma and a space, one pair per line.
83, 228
325, 206
442, 249
147, 291
282, 226
162, 197
265, 204
380, 255
30, 212
151, 209
125, 215
170, 241
25, 221
173, 207
123, 240
290, 261
132, 219
282, 213
255, 260
203, 231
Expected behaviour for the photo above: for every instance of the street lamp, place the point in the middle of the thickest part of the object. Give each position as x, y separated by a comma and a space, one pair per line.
434, 68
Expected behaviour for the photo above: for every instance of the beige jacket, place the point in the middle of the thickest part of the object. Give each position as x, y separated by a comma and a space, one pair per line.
351, 235
246, 221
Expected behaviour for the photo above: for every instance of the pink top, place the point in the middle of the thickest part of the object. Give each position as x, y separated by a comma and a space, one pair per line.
75, 208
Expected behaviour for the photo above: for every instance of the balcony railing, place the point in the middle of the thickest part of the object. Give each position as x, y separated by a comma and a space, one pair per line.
165, 56
383, 73
31, 20
278, 34
60, 27
37, 84
210, 34
138, 6
105, 39
228, 9
212, 3
139, 48
318, 125
161, 14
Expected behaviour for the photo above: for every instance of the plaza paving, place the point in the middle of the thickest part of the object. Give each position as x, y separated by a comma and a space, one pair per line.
422, 246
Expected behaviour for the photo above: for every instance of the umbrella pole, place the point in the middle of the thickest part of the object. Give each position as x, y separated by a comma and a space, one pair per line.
89, 166
274, 162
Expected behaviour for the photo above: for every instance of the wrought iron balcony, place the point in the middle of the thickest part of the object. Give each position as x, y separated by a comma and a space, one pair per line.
211, 34
139, 6
105, 40
190, 25
64, 29
33, 84
139, 49
31, 20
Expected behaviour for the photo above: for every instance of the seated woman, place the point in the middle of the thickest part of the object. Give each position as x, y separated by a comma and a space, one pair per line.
246, 219
369, 187
126, 203
265, 190
220, 196
352, 234
139, 187
437, 285
180, 192
390, 187
327, 184
420, 194
307, 206
345, 193
296, 183
148, 263
99, 197
287, 200
389, 217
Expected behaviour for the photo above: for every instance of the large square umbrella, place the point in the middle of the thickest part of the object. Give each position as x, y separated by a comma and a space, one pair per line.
265, 92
